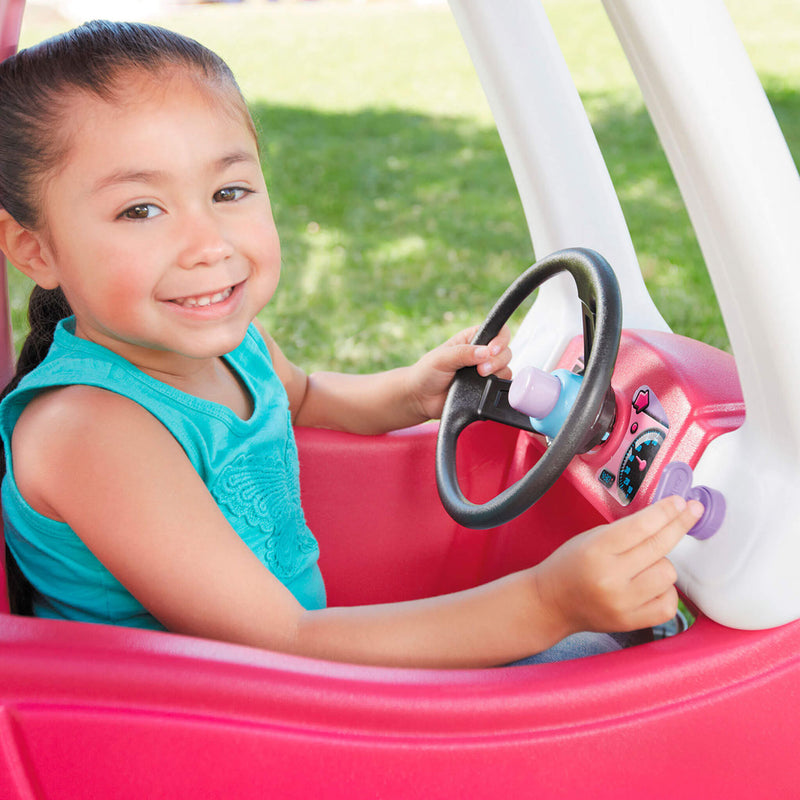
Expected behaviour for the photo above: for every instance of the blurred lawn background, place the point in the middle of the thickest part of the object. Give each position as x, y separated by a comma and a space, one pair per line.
399, 218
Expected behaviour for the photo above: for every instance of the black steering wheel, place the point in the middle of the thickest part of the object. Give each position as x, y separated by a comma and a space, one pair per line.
473, 397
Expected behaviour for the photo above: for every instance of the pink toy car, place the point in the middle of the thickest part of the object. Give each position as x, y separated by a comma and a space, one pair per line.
96, 711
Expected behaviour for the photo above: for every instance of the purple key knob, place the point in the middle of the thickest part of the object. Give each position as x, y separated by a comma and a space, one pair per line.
676, 479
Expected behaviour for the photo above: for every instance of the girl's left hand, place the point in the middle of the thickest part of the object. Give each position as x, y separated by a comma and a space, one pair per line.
431, 376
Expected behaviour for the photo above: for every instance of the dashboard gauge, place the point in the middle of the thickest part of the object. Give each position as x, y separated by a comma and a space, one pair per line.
636, 462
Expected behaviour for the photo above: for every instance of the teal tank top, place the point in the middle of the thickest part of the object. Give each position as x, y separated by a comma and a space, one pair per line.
249, 466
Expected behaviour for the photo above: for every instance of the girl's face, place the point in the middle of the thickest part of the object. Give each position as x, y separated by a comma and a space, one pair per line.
158, 226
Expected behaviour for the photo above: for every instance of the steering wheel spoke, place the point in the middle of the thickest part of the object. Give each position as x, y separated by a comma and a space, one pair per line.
494, 404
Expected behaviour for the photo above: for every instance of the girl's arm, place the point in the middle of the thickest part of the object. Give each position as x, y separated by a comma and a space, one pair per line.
384, 401
609, 579
132, 496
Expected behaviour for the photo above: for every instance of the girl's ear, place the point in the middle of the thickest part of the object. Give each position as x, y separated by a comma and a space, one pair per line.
24, 250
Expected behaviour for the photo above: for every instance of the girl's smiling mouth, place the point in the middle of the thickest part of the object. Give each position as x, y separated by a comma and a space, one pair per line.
205, 300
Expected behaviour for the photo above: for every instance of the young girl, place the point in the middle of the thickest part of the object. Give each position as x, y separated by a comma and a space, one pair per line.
152, 475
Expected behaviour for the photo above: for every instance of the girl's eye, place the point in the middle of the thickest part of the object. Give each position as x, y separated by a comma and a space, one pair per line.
141, 211
230, 193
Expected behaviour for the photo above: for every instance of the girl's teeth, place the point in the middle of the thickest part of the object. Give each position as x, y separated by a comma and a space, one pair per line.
205, 300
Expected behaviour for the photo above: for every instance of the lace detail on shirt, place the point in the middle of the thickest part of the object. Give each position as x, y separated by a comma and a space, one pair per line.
263, 490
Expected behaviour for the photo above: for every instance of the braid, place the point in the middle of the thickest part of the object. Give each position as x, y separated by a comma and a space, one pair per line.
20, 591
46, 308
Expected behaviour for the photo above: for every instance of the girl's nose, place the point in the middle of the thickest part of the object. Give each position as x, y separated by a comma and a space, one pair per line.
205, 242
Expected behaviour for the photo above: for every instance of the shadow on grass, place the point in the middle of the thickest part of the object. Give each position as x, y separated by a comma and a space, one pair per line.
396, 229
399, 228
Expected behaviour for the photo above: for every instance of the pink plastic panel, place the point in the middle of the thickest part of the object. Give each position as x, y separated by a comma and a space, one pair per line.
112, 712
698, 389
384, 535
6, 371
109, 713
96, 711
10, 22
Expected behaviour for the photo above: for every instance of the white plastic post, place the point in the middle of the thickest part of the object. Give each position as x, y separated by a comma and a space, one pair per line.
563, 182
742, 192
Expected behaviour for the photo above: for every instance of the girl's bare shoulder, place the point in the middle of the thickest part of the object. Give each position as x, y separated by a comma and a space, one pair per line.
78, 413
68, 432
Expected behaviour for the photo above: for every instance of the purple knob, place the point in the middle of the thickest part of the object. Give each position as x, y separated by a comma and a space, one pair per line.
534, 392
714, 504
676, 478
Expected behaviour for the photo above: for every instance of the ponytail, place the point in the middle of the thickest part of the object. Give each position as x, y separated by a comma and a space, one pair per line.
46, 308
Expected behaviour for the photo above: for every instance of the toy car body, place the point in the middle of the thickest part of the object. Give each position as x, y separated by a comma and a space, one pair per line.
95, 711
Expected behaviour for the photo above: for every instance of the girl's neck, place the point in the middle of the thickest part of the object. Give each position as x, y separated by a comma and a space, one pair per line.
210, 378
213, 380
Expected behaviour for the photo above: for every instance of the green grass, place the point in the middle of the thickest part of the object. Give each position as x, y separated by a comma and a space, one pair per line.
399, 218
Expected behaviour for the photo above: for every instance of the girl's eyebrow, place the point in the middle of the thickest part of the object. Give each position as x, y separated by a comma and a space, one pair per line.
154, 176
127, 176
236, 157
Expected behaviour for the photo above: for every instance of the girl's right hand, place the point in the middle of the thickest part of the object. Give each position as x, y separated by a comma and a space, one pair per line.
617, 577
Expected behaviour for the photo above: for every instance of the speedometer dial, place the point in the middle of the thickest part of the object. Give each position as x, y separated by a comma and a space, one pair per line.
637, 461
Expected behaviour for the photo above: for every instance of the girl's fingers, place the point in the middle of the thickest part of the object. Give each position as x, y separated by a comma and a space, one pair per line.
462, 337
670, 526
494, 360
656, 611
629, 532
495, 357
653, 582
